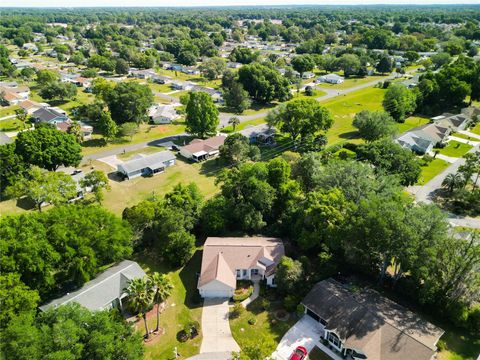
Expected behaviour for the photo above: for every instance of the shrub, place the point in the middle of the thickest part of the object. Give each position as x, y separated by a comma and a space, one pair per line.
265, 304
290, 302
182, 336
252, 320
300, 309
241, 295
192, 329
237, 310
427, 159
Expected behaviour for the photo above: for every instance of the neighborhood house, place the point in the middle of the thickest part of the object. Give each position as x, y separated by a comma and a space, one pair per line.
331, 79
146, 165
162, 114
106, 291
260, 134
199, 149
365, 325
226, 260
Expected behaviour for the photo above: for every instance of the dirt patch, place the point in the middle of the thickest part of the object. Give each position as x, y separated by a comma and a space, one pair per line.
281, 315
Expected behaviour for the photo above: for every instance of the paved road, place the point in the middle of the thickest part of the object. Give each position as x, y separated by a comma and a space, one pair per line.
217, 336
426, 192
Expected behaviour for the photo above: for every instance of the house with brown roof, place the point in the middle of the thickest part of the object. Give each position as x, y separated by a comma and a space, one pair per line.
365, 325
226, 260
199, 150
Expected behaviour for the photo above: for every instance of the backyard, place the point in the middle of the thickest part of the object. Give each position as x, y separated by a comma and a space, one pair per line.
455, 149
432, 169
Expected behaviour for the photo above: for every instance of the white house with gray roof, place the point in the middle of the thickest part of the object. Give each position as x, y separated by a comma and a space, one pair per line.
147, 165
106, 291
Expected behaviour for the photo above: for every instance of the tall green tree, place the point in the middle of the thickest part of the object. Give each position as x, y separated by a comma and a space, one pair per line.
263, 83
303, 63
399, 102
373, 125
140, 294
129, 102
237, 149
201, 115
162, 289
236, 97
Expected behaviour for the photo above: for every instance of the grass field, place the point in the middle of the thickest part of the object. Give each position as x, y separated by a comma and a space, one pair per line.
412, 122
267, 329
130, 192
316, 94
475, 129
8, 110
455, 149
466, 137
344, 108
179, 310
243, 125
146, 133
435, 167
12, 124
146, 150
351, 82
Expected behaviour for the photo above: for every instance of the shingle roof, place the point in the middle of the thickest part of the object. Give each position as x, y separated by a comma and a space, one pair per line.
4, 139
382, 329
47, 114
207, 145
102, 290
152, 161
223, 256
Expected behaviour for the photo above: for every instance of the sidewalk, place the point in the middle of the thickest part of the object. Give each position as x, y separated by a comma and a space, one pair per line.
255, 294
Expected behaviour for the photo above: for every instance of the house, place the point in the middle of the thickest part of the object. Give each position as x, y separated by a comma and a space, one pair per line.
453, 122
422, 139
191, 70
4, 139
30, 46
31, 106
86, 130
146, 165
331, 79
234, 65
226, 260
106, 291
411, 82
416, 143
181, 85
259, 134
162, 114
199, 149
215, 94
365, 325
49, 115
308, 75
13, 95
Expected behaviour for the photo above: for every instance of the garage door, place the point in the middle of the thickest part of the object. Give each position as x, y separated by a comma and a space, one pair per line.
313, 315
216, 293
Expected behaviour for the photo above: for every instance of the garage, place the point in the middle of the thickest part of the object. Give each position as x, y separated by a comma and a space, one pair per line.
313, 315
216, 289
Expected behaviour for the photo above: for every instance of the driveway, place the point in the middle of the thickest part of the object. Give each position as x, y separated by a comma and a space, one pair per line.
217, 337
305, 332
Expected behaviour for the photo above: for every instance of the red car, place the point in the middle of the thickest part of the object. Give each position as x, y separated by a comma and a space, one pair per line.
300, 353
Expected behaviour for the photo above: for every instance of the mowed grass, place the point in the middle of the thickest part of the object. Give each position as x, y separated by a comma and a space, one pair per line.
130, 192
412, 122
475, 129
352, 82
179, 310
455, 149
435, 167
12, 124
145, 151
464, 136
459, 346
267, 329
8, 110
344, 108
243, 125
146, 133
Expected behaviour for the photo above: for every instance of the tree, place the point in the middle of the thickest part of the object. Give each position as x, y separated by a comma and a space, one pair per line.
303, 63
45, 77
102, 87
128, 129
399, 102
97, 181
162, 289
12, 166
263, 83
237, 149
45, 187
58, 90
350, 64
75, 129
22, 115
289, 275
453, 181
385, 155
180, 247
212, 68
373, 125
140, 295
48, 148
300, 118
107, 126
121, 67
15, 297
384, 65
201, 115
243, 55
234, 121
128, 102
236, 97
441, 59
471, 167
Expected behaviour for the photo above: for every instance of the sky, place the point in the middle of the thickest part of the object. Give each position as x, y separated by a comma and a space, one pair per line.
169, 3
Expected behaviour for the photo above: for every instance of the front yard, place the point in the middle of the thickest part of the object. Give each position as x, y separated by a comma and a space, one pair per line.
455, 149
432, 169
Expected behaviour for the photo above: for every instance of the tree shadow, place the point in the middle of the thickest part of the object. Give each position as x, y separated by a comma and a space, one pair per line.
350, 135
211, 167
189, 276
25, 203
94, 143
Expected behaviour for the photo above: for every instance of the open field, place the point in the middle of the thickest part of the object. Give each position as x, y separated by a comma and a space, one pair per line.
435, 167
344, 108
179, 311
243, 125
12, 124
455, 149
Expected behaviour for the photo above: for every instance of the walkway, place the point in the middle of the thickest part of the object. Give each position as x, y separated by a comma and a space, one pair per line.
217, 337
256, 292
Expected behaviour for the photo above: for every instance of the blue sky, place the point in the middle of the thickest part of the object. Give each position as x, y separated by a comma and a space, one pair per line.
120, 3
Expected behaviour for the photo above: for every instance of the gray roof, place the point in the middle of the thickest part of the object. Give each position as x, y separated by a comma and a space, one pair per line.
258, 130
105, 288
4, 139
153, 161
47, 114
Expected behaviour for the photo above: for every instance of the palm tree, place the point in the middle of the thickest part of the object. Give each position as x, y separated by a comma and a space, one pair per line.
453, 181
162, 289
234, 121
140, 294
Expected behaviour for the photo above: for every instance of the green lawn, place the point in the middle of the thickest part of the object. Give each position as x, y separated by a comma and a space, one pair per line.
459, 346
8, 110
455, 149
349, 83
254, 109
180, 308
146, 133
466, 137
267, 328
12, 124
435, 167
344, 108
302, 95
130, 192
475, 129
243, 125
146, 150
412, 122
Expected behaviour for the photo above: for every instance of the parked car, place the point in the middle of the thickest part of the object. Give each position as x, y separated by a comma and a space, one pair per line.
300, 353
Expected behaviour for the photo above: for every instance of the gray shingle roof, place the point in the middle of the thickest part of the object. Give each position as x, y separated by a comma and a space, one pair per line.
153, 161
102, 290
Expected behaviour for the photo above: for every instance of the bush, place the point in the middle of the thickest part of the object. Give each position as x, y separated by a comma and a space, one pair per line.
182, 336
240, 294
192, 329
441, 345
290, 302
427, 159
386, 84
265, 304
237, 310
252, 321
300, 309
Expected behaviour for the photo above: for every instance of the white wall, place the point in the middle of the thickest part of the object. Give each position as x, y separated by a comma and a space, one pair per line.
216, 289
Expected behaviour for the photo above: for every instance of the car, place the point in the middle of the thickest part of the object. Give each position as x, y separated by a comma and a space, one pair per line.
300, 353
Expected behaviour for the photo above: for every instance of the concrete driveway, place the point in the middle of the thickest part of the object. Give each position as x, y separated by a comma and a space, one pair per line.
217, 337
305, 332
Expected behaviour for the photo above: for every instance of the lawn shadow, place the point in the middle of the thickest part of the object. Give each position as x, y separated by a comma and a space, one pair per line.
211, 167
350, 135
25, 204
189, 276
94, 143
